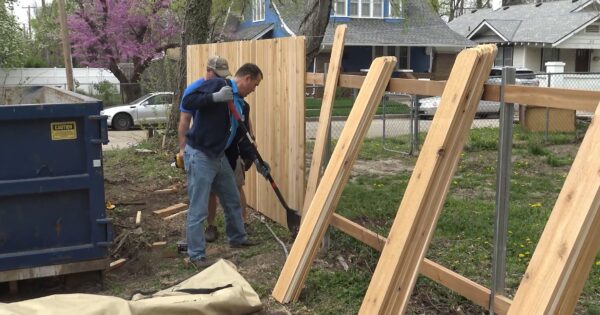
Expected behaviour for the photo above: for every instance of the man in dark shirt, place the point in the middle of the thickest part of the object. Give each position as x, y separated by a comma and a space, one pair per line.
214, 130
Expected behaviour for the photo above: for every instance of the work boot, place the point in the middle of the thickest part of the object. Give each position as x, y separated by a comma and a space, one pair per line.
201, 263
211, 233
244, 244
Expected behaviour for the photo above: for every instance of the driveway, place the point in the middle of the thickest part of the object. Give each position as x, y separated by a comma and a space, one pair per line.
124, 139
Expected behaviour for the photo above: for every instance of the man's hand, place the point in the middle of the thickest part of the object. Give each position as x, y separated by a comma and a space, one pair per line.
263, 168
179, 160
225, 94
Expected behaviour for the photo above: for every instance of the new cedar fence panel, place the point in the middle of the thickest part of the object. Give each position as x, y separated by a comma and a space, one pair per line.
277, 114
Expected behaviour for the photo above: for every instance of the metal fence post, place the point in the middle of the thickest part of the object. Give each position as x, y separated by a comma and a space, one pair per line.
414, 147
502, 190
547, 122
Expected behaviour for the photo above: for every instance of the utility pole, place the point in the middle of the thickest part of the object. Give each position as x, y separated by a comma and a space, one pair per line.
66, 44
29, 18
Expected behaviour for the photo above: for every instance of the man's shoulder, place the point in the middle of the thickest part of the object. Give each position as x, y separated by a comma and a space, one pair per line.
212, 84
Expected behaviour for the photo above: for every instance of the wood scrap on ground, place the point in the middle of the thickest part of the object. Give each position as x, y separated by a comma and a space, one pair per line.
116, 264
170, 210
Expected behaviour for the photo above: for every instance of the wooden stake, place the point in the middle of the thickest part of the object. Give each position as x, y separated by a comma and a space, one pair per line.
411, 232
172, 216
171, 209
138, 218
116, 264
336, 175
318, 155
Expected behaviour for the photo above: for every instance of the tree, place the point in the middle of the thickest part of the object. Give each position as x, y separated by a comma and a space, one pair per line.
12, 45
196, 30
313, 25
105, 33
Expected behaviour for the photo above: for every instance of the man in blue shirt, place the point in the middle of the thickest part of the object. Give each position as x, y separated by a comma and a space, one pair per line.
215, 130
215, 67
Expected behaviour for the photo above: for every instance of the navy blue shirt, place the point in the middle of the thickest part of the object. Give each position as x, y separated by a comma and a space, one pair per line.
212, 125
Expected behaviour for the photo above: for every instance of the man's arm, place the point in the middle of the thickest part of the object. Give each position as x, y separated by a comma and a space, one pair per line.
211, 92
184, 125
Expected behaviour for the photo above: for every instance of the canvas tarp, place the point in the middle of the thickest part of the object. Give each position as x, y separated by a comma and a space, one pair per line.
232, 295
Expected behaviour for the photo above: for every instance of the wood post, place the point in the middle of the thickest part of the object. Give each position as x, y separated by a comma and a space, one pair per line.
411, 232
335, 63
316, 219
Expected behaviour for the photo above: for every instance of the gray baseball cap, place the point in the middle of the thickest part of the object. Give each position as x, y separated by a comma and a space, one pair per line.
219, 65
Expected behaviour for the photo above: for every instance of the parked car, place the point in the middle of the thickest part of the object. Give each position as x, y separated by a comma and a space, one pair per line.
150, 109
429, 105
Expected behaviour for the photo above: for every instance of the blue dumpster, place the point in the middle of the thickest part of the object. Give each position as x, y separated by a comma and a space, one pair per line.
52, 209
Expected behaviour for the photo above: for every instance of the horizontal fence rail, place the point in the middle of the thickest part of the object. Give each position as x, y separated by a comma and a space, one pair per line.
531, 95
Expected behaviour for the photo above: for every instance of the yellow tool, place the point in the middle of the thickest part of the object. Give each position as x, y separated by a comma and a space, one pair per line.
179, 161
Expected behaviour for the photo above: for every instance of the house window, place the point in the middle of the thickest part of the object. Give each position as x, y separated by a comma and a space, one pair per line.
504, 56
339, 7
400, 52
395, 8
366, 8
258, 10
549, 54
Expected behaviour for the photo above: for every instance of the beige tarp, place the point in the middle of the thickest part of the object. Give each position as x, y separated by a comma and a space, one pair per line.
240, 298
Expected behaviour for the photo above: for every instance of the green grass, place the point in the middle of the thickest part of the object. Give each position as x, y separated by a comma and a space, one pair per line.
342, 107
463, 240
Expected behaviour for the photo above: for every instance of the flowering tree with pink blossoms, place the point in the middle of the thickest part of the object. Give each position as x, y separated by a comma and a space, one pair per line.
105, 33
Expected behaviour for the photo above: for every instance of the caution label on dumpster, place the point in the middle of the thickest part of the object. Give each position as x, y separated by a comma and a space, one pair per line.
66, 130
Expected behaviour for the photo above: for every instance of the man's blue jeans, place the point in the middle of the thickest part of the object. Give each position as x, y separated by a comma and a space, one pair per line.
205, 175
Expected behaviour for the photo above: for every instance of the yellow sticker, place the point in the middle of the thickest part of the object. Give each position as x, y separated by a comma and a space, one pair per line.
66, 130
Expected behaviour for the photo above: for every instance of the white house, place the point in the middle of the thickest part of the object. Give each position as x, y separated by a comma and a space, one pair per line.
529, 35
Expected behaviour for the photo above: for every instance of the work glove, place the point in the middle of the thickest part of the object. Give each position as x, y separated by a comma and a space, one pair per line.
225, 94
263, 168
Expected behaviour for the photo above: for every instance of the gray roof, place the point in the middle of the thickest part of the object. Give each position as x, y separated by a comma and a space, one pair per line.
547, 23
251, 32
422, 27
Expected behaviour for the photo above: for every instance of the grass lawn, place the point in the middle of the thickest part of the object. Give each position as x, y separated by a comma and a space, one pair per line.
342, 107
463, 239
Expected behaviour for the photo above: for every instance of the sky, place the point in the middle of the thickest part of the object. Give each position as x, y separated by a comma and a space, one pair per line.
21, 13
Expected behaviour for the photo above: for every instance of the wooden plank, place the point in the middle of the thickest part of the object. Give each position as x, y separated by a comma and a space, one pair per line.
411, 232
170, 210
53, 270
175, 215
530, 95
138, 218
116, 264
548, 97
569, 242
335, 63
336, 174
467, 288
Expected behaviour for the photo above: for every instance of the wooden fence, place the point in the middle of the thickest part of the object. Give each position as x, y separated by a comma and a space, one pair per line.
277, 114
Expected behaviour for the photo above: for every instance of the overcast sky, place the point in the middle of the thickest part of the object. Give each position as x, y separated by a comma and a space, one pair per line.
21, 13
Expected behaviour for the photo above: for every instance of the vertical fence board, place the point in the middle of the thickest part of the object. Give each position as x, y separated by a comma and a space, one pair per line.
277, 114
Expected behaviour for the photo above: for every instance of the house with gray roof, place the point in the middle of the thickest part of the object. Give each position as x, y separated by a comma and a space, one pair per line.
408, 29
529, 35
